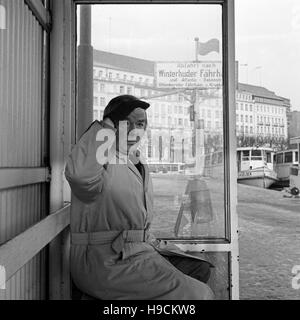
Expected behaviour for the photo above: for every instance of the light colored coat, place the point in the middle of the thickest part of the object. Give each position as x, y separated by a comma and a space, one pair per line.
113, 197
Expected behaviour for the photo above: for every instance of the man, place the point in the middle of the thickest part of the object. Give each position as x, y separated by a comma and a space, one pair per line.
113, 256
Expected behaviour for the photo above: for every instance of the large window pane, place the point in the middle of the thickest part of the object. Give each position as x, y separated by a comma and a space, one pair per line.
171, 56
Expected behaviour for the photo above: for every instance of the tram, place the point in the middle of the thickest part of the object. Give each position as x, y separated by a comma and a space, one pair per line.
295, 168
283, 162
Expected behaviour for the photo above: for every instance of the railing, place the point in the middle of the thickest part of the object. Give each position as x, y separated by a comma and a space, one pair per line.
15, 253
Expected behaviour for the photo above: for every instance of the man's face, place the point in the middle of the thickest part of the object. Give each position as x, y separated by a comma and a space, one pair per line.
136, 126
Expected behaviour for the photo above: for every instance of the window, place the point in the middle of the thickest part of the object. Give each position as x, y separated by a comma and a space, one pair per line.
96, 115
129, 90
256, 155
102, 101
122, 89
246, 155
102, 87
96, 86
251, 119
96, 101
288, 157
279, 158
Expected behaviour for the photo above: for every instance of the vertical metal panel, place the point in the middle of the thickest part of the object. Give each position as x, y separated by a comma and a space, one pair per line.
22, 138
21, 82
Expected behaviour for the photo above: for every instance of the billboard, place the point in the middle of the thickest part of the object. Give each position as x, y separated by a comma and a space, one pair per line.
196, 74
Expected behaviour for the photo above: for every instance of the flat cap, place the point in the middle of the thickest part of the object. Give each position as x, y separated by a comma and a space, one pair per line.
120, 107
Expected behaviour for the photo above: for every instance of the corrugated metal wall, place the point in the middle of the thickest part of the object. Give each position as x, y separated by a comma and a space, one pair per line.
22, 138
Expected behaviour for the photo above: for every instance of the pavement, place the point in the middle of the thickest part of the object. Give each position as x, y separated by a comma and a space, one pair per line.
269, 242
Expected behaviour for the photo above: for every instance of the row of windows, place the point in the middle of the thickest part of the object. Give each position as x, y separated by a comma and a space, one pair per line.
122, 76
260, 119
269, 109
240, 96
245, 107
263, 130
164, 109
260, 108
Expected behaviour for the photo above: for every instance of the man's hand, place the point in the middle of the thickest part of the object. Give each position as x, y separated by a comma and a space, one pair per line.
109, 122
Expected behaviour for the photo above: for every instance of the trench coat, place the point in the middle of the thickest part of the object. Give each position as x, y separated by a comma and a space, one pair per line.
112, 251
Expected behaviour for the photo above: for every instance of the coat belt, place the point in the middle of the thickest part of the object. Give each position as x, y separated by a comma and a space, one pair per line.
116, 238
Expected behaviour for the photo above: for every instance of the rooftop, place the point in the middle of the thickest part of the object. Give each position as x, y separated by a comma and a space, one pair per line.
126, 63
147, 67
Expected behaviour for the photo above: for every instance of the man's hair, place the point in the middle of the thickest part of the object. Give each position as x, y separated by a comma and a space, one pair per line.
120, 107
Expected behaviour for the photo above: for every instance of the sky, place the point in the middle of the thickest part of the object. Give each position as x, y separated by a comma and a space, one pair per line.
267, 37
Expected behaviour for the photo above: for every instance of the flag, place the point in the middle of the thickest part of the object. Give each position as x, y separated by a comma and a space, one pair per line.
206, 47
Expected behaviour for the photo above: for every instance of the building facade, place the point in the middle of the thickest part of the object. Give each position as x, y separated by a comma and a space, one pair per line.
261, 115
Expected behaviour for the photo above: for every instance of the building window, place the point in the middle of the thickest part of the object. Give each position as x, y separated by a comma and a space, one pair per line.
110, 75
102, 101
95, 115
122, 89
96, 101
180, 121
102, 87
96, 86
129, 90
251, 119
